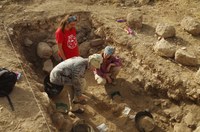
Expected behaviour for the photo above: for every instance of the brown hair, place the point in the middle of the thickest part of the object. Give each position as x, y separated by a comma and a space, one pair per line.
64, 22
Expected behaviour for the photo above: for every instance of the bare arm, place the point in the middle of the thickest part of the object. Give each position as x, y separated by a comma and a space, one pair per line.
61, 52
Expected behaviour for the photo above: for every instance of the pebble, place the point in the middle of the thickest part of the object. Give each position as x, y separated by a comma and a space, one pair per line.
1, 108
183, 48
132, 117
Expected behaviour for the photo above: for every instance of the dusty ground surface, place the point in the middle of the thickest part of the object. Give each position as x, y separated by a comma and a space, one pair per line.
147, 81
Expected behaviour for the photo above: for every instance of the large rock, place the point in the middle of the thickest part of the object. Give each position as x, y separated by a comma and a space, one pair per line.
67, 125
165, 30
84, 49
134, 19
191, 25
55, 53
96, 42
190, 119
181, 127
48, 66
44, 50
58, 120
81, 37
186, 58
164, 48
100, 32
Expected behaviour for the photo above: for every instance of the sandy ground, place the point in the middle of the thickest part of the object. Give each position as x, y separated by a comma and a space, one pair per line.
30, 113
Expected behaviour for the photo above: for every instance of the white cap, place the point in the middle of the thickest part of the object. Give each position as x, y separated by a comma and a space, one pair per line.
95, 60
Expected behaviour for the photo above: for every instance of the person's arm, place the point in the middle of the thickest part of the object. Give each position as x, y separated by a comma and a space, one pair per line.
108, 78
59, 41
78, 73
109, 66
61, 51
115, 61
100, 73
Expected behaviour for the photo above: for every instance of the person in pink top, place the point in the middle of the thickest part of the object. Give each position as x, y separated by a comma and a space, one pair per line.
109, 68
66, 38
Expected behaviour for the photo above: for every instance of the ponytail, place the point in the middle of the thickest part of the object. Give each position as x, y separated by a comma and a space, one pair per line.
63, 23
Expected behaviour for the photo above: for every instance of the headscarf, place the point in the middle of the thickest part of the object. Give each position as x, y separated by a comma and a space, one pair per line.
109, 50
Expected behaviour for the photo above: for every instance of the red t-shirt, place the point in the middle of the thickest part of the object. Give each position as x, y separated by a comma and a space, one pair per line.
68, 41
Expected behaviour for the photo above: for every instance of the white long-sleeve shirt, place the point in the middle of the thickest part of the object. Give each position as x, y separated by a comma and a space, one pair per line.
69, 72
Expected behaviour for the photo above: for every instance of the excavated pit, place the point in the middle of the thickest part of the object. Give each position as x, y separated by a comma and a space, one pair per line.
28, 34
142, 83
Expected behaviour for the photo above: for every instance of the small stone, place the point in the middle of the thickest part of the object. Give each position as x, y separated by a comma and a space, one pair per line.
183, 48
132, 117
27, 42
10, 31
1, 108
163, 119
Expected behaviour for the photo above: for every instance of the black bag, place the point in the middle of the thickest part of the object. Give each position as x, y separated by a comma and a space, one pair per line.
51, 89
7, 83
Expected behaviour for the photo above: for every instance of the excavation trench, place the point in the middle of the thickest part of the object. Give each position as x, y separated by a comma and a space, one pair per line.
139, 91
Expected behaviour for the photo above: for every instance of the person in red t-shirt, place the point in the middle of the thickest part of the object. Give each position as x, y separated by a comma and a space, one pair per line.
66, 38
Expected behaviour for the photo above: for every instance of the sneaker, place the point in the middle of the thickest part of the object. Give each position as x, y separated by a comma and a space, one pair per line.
18, 75
71, 114
82, 102
79, 111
